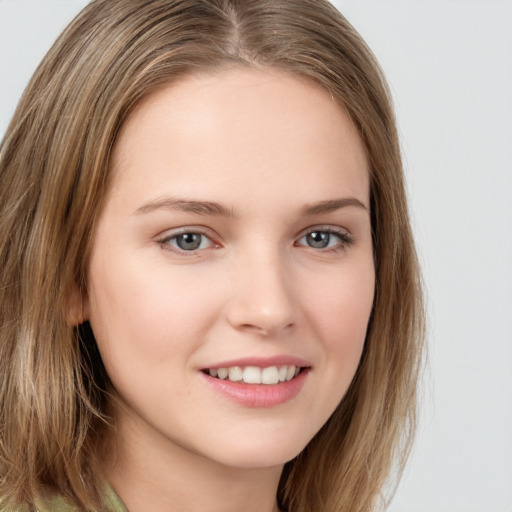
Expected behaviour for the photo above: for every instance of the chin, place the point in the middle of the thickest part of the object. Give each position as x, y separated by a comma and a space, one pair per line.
247, 453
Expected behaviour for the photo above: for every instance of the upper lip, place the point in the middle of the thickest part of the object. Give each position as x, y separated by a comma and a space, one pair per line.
261, 362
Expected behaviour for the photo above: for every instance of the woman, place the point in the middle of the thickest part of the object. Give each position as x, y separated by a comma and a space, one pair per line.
210, 294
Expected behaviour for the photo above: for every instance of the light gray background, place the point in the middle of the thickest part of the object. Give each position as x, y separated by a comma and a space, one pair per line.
449, 64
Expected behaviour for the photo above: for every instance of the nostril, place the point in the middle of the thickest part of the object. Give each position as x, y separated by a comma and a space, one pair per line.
265, 328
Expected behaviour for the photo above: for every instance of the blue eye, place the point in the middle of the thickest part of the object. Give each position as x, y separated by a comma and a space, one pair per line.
325, 239
188, 241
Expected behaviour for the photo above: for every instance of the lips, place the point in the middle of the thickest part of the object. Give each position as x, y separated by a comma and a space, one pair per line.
269, 375
258, 382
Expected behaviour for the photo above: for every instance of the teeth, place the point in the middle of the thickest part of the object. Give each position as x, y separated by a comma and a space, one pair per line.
252, 375
222, 373
235, 374
270, 375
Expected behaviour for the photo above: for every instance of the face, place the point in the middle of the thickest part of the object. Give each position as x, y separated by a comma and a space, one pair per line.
231, 277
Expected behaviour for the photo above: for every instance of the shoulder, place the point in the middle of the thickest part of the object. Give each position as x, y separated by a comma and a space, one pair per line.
58, 503
50, 504
112, 503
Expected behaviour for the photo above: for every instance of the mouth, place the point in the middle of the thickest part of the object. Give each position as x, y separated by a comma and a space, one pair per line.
270, 375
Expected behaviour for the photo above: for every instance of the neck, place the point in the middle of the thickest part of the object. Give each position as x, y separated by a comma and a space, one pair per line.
157, 474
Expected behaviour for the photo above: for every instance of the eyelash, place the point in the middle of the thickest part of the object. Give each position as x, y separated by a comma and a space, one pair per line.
344, 240
166, 242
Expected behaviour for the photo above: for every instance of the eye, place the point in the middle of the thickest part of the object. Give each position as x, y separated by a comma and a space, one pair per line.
187, 241
325, 239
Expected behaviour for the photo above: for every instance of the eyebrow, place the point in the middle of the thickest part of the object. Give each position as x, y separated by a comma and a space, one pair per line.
187, 206
332, 205
216, 209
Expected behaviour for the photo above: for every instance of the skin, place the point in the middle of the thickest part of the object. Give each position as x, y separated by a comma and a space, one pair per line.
266, 146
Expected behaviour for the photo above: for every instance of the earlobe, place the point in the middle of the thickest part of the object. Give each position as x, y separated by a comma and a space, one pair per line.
76, 307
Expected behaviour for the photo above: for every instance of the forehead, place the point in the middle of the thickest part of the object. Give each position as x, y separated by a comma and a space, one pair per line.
255, 129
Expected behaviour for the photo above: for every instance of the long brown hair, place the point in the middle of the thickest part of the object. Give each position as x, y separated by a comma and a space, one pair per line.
54, 174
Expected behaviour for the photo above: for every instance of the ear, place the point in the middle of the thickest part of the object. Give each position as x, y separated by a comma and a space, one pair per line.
76, 307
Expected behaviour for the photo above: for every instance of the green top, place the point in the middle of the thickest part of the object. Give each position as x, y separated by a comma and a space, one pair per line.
58, 504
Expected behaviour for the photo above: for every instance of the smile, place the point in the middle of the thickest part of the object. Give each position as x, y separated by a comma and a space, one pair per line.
270, 375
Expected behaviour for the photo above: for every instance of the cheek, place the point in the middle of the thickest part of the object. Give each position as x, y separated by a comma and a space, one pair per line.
338, 313
147, 315
340, 310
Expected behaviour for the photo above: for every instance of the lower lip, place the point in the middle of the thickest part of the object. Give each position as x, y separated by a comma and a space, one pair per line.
258, 395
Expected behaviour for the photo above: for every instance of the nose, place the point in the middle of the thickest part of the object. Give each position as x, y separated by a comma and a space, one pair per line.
263, 300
